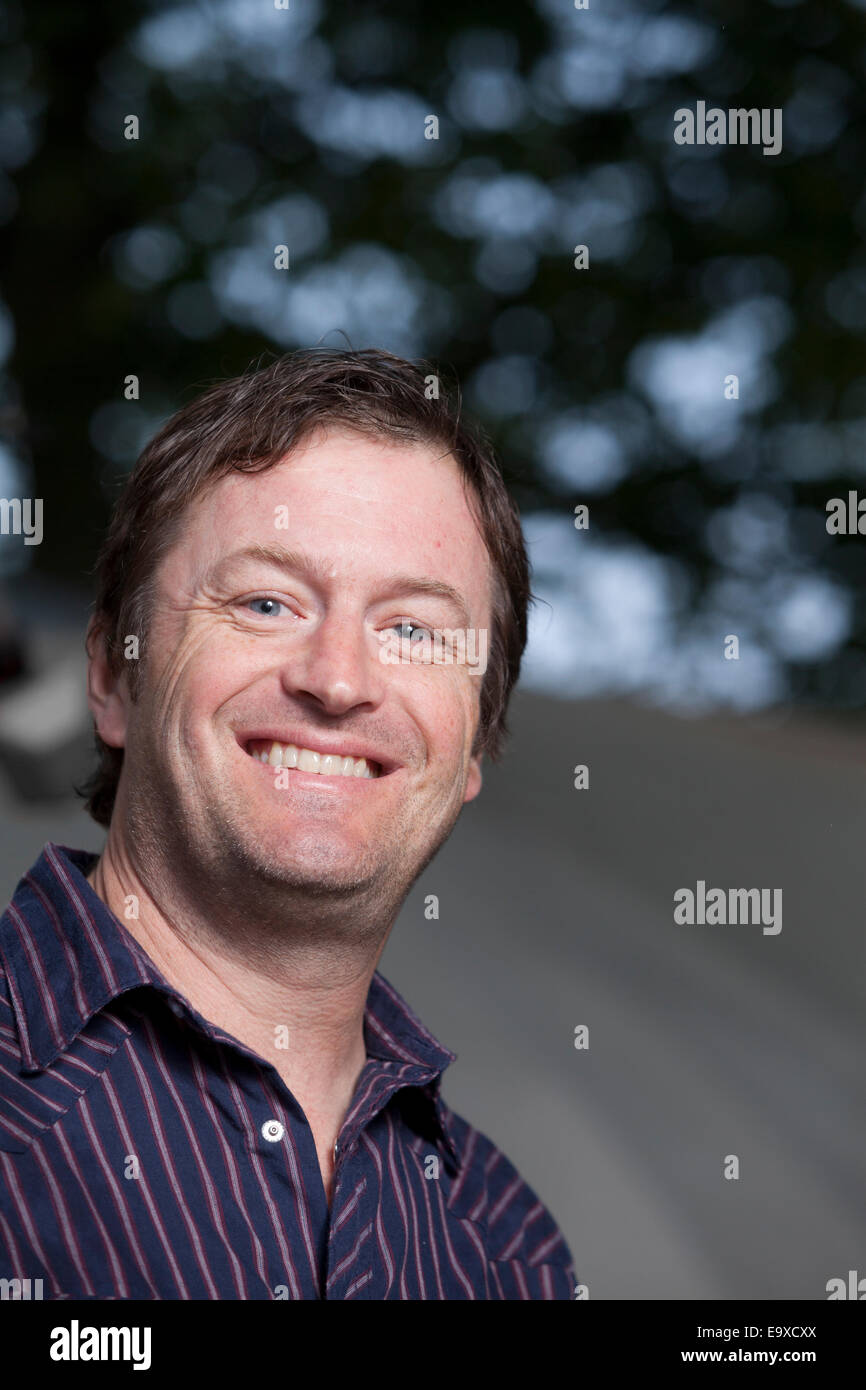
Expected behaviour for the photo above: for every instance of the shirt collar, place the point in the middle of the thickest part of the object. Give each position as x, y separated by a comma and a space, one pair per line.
67, 956
396, 1034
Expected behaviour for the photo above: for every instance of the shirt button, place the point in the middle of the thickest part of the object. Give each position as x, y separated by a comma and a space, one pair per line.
273, 1131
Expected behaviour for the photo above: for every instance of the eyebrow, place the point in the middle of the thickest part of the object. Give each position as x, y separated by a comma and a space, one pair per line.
321, 569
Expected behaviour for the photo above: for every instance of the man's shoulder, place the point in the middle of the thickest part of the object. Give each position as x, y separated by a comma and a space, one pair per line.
10, 1046
39, 1088
16, 1130
489, 1191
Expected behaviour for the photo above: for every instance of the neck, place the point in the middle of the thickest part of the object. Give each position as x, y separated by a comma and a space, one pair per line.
295, 996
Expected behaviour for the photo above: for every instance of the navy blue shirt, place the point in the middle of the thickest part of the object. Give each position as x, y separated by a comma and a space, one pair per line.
147, 1154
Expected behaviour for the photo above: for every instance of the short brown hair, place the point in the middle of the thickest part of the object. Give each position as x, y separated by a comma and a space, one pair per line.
250, 423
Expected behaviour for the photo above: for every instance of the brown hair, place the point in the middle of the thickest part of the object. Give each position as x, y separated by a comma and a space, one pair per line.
249, 424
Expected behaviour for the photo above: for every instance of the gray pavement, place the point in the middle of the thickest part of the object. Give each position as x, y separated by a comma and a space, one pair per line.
556, 909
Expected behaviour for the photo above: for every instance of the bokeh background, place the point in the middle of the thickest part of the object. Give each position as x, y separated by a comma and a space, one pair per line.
603, 387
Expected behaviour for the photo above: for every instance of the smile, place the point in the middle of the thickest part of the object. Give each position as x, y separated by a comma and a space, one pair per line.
305, 760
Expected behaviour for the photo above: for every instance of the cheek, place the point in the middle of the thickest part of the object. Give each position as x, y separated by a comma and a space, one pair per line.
445, 709
197, 681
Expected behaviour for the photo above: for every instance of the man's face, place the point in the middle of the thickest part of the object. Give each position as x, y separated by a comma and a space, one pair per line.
244, 651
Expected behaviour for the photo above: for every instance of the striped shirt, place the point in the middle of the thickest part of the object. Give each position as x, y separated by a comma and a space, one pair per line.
147, 1154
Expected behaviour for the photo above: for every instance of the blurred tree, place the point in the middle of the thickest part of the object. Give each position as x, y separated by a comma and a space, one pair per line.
154, 258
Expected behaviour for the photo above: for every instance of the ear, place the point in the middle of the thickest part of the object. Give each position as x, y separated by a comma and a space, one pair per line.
474, 780
107, 694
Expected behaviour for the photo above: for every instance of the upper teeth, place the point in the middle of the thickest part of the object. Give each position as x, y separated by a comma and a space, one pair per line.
305, 760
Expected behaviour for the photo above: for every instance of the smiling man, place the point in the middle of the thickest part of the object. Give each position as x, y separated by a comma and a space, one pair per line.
207, 1088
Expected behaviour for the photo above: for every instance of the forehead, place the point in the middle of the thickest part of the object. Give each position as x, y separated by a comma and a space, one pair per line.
369, 506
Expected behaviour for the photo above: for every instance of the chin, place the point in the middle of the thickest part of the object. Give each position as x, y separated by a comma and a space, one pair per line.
321, 869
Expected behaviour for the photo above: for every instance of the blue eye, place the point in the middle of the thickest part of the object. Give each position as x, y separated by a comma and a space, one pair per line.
417, 631
274, 601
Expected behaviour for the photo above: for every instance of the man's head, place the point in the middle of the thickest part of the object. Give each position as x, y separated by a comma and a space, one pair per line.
272, 536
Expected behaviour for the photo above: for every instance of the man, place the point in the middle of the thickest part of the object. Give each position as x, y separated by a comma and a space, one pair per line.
208, 1090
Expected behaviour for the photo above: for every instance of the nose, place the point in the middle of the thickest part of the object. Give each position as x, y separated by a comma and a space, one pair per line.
337, 666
